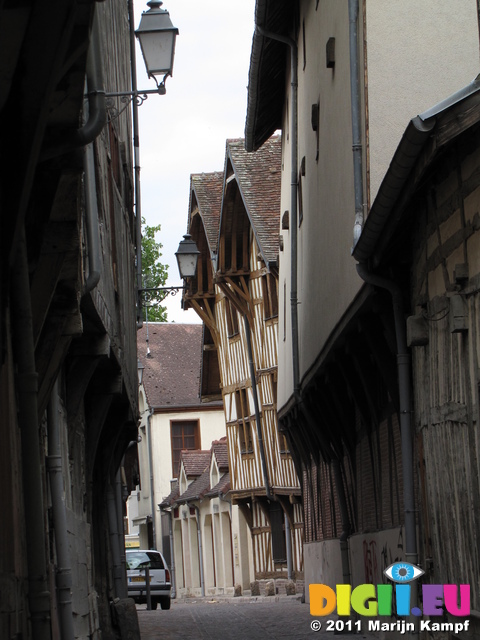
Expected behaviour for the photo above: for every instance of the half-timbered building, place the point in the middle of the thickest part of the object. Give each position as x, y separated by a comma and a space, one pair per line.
343, 80
234, 220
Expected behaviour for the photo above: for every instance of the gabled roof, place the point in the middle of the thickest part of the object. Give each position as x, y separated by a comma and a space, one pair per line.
221, 488
258, 176
171, 375
195, 461
172, 496
266, 78
197, 489
220, 451
207, 189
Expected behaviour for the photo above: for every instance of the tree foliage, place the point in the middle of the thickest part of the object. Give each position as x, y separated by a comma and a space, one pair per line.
154, 274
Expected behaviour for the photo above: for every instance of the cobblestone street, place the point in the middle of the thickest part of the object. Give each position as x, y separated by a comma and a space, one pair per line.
266, 618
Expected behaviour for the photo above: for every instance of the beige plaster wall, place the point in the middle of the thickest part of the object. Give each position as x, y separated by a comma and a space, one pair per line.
327, 279
418, 53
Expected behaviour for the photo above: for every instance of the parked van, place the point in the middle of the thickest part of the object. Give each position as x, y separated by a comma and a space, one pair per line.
160, 586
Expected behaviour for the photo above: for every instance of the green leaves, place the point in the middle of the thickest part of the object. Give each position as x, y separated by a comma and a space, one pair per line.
154, 274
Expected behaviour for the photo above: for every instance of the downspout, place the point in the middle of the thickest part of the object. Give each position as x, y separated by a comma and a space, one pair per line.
172, 557
136, 165
55, 470
150, 463
345, 518
27, 398
404, 385
118, 578
353, 12
288, 541
200, 551
293, 202
91, 211
96, 103
120, 532
253, 379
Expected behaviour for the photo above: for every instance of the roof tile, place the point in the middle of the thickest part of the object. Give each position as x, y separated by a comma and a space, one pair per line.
172, 369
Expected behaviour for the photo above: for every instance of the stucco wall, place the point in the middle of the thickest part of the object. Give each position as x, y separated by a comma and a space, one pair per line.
323, 564
327, 279
418, 53
212, 427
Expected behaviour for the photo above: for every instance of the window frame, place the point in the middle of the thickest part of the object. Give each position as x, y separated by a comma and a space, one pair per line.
195, 435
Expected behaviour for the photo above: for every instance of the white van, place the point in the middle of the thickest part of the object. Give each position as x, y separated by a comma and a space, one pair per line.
160, 586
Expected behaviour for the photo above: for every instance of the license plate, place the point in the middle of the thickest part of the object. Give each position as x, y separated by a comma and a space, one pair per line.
139, 579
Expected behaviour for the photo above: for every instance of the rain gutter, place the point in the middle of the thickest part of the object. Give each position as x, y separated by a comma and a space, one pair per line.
96, 103
32, 476
63, 576
152, 484
353, 12
200, 550
293, 200
417, 133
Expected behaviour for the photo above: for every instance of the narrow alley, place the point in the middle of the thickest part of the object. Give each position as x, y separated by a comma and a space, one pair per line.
222, 619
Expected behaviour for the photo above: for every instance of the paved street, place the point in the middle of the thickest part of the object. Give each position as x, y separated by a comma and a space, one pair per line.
264, 619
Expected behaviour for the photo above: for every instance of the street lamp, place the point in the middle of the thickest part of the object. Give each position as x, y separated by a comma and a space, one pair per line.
140, 369
187, 258
157, 35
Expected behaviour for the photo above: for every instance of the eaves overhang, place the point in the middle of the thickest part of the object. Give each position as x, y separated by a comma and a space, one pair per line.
266, 78
425, 134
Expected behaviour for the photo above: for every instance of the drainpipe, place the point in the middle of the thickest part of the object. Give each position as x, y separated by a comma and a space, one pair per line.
59, 512
136, 164
200, 551
172, 557
346, 526
150, 463
404, 384
27, 404
118, 578
96, 104
293, 202
288, 540
257, 409
91, 211
353, 11
120, 533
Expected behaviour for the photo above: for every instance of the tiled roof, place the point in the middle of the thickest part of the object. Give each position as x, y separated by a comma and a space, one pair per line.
208, 189
172, 496
220, 450
221, 488
172, 371
259, 178
197, 489
195, 461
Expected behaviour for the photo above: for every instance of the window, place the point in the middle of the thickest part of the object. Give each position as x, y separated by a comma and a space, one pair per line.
232, 319
279, 547
243, 421
270, 297
185, 434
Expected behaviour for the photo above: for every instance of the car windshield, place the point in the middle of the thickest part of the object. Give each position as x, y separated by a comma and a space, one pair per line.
143, 559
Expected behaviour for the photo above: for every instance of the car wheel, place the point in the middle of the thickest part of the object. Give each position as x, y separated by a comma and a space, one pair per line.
165, 603
154, 604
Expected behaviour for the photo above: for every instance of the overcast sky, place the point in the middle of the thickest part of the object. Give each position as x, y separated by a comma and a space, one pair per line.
184, 131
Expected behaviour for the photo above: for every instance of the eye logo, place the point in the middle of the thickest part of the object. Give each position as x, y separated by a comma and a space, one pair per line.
403, 572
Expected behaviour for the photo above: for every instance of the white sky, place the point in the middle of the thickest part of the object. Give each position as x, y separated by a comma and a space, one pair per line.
184, 131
